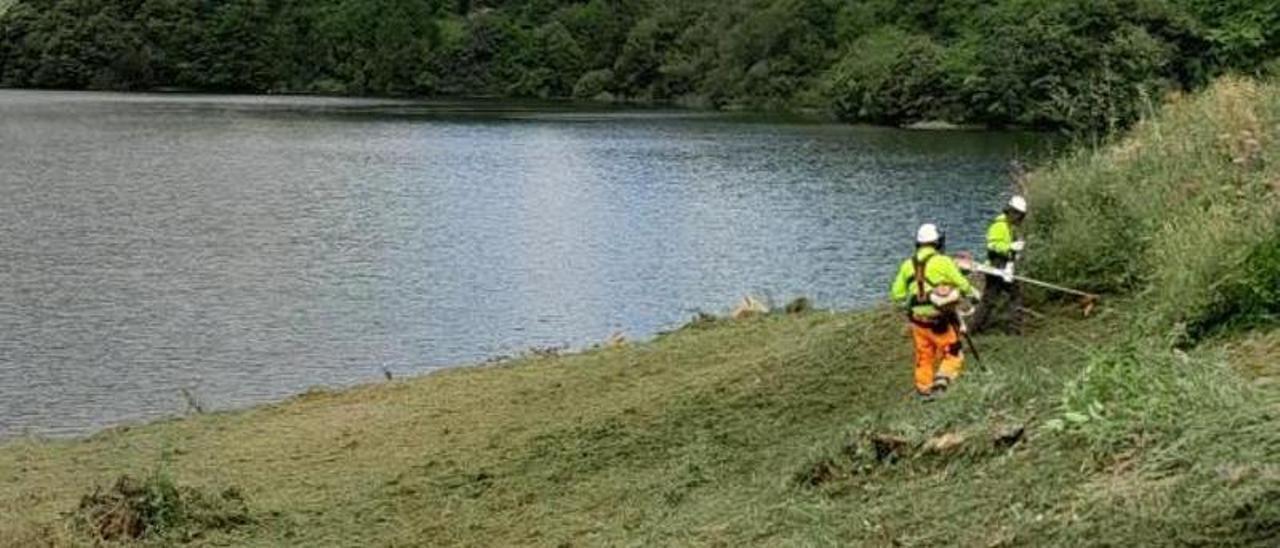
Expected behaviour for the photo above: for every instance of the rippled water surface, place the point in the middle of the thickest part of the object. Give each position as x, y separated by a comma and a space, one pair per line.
245, 249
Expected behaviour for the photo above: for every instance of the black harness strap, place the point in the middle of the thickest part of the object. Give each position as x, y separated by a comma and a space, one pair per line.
919, 278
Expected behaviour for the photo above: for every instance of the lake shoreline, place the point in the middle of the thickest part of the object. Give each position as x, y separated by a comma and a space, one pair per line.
804, 115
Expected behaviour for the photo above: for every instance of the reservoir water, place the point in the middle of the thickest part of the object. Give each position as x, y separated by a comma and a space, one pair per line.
244, 249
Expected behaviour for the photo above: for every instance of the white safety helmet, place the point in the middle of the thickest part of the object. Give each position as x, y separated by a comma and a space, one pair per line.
928, 234
1019, 204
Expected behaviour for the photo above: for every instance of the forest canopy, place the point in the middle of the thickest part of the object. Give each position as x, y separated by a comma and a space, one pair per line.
1073, 64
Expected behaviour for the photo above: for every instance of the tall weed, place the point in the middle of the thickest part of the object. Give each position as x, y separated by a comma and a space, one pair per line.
1136, 396
1248, 295
1172, 211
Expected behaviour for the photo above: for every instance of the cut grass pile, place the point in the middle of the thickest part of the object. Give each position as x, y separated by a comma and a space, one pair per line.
796, 428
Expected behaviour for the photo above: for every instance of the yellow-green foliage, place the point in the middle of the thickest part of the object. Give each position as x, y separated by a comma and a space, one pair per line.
1170, 211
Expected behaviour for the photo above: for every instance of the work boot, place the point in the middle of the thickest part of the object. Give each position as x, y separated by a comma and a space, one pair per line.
941, 383
924, 397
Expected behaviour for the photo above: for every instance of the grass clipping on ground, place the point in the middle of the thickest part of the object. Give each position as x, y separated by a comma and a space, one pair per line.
799, 428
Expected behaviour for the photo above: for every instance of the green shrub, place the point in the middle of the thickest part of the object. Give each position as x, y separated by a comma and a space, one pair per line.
641, 57
486, 61
775, 51
1078, 64
888, 76
1248, 297
593, 84
1242, 33
551, 65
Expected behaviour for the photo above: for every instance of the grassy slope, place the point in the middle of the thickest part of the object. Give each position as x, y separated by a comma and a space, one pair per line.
695, 437
739, 432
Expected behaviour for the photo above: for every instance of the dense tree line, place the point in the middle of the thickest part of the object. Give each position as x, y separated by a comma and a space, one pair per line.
1082, 64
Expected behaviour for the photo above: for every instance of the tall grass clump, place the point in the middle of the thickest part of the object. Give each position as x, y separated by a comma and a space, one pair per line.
1172, 212
1249, 296
1133, 395
1184, 447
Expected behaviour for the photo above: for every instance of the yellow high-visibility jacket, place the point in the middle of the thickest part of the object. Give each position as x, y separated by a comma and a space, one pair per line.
939, 269
1000, 239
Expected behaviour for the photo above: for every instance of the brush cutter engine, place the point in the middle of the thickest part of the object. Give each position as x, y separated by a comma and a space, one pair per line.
944, 297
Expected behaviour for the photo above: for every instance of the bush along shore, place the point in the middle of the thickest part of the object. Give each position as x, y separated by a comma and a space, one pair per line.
1079, 65
1151, 422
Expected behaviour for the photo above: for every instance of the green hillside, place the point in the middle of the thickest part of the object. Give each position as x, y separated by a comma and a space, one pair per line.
1073, 64
1151, 422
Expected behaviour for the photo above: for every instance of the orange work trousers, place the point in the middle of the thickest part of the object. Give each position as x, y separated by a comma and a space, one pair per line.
934, 345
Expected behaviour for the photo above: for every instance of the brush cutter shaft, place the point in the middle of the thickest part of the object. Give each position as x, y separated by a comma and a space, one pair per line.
988, 269
1048, 285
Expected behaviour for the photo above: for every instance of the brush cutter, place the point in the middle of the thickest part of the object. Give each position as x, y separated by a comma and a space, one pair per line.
968, 264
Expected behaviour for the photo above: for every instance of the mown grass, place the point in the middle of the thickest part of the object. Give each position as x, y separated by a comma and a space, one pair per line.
706, 436
795, 429
692, 438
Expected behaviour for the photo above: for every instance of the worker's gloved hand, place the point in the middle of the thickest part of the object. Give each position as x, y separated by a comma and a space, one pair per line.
1018, 246
1007, 273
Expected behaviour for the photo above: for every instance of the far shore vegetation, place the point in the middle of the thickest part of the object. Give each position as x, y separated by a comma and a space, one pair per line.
1076, 65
